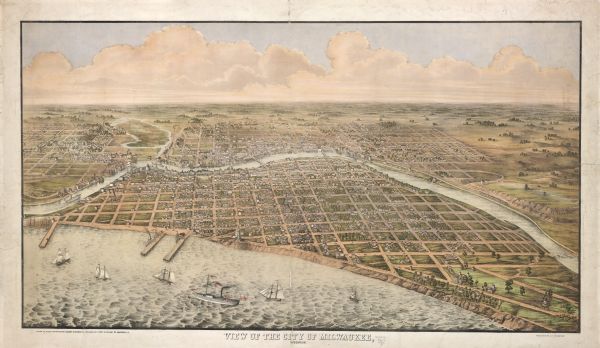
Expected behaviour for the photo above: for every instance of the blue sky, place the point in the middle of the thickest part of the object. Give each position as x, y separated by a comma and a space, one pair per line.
551, 44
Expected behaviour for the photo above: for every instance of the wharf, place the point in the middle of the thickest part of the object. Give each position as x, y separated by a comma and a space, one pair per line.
49, 234
178, 245
152, 243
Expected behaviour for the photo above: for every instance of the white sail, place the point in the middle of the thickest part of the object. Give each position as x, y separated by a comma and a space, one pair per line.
274, 292
279, 294
160, 275
59, 258
101, 273
354, 296
266, 292
165, 276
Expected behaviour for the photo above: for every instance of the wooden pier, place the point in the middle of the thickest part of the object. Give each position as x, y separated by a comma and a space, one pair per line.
152, 243
178, 245
49, 234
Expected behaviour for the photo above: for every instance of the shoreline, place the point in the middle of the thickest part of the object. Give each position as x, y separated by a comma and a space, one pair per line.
506, 320
563, 255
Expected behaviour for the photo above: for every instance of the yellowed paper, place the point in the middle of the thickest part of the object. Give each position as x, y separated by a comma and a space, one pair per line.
299, 173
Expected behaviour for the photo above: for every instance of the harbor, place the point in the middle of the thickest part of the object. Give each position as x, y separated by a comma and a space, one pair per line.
72, 296
563, 255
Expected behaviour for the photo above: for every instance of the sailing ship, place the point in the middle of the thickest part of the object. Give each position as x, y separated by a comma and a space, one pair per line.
354, 296
62, 257
213, 297
166, 275
273, 293
101, 273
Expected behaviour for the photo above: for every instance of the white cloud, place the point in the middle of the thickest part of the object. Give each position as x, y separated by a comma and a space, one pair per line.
177, 64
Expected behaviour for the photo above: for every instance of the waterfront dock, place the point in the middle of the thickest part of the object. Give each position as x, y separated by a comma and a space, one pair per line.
181, 239
152, 243
49, 234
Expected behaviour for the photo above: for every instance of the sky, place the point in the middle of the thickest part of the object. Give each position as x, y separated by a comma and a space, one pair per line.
405, 51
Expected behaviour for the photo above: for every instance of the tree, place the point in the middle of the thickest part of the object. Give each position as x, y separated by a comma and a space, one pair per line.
508, 285
569, 308
522, 290
547, 298
528, 271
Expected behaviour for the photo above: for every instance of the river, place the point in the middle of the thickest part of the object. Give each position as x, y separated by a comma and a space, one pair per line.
56, 206
497, 210
564, 256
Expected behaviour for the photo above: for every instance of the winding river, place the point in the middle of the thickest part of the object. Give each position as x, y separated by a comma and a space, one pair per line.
55, 206
563, 255
162, 148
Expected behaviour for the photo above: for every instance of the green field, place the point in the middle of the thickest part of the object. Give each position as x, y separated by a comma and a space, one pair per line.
148, 135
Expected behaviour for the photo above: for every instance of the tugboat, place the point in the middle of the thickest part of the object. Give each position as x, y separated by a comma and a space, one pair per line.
354, 297
62, 257
273, 293
213, 297
101, 273
166, 275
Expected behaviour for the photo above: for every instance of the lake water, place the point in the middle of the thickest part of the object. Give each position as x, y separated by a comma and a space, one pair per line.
70, 296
